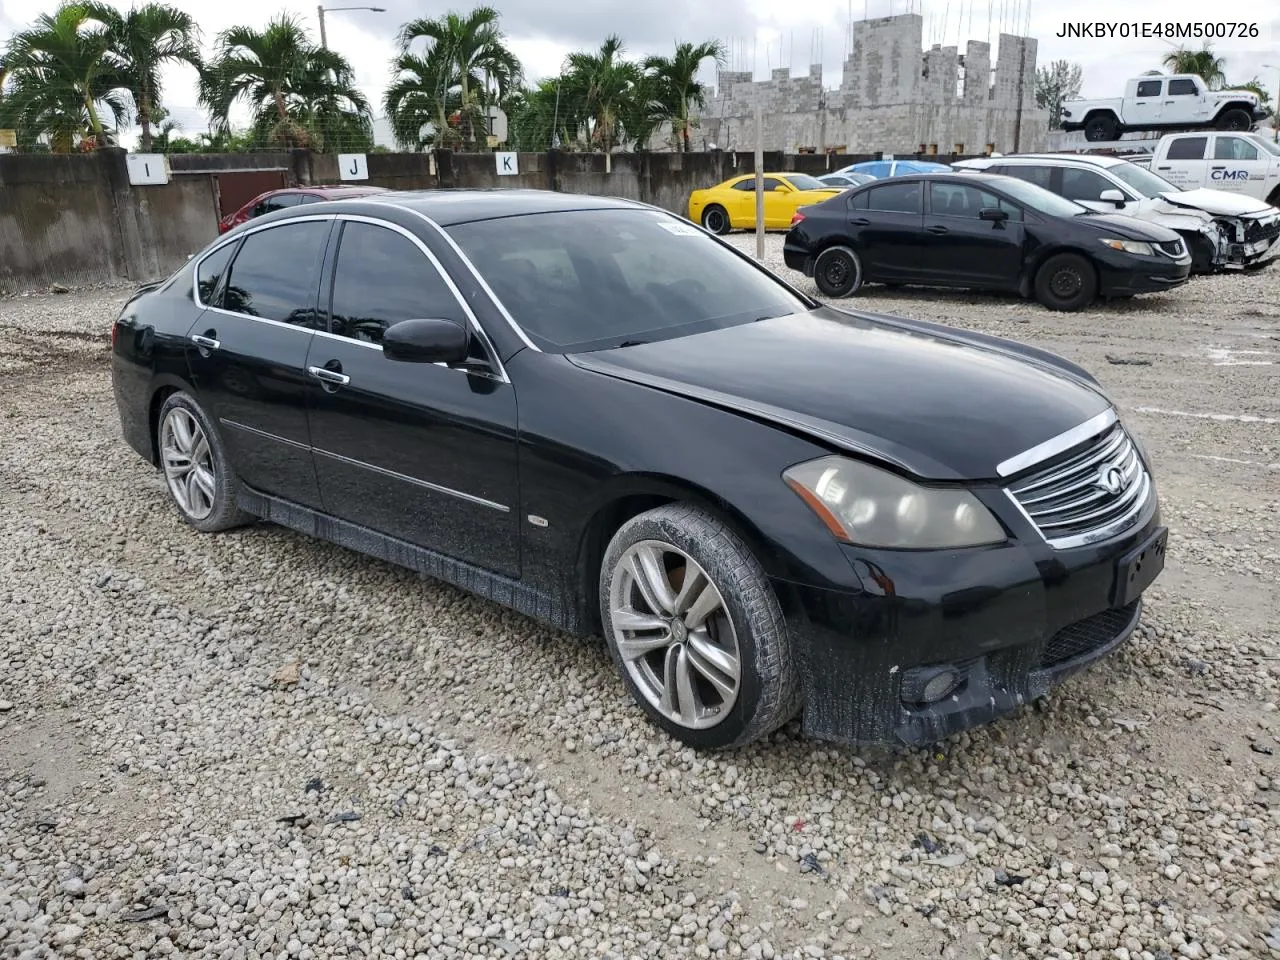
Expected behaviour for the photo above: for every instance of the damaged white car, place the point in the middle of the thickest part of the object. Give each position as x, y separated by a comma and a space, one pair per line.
1222, 230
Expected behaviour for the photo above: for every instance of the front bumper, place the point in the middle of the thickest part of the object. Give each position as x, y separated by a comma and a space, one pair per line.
1254, 241
1010, 621
1128, 275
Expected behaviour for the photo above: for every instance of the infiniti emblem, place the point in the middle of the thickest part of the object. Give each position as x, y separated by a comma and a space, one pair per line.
1111, 479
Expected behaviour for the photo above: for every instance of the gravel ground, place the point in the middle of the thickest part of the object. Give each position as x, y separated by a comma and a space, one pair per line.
256, 745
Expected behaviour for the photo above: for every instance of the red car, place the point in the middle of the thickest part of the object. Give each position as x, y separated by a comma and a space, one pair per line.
290, 197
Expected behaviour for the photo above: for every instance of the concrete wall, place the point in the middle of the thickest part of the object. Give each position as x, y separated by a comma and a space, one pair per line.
76, 220
893, 96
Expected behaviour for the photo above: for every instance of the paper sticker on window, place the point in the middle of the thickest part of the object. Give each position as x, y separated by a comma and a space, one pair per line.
681, 229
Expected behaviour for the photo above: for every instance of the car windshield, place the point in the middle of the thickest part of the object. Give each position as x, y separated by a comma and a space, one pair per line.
596, 279
802, 181
1270, 146
1142, 180
1040, 199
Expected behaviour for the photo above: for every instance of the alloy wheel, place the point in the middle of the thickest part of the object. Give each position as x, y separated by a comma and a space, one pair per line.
715, 221
674, 635
188, 463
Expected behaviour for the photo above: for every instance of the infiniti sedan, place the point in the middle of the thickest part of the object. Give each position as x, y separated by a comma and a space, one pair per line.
603, 416
981, 232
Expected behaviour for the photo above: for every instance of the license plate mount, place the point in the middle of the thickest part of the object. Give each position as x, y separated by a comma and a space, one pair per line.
1136, 570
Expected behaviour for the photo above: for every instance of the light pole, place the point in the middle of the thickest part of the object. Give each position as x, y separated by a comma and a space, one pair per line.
1275, 107
321, 10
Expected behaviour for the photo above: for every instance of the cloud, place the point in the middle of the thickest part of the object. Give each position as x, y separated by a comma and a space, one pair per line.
761, 34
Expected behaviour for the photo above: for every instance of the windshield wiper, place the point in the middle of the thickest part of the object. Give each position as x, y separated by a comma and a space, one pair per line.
633, 343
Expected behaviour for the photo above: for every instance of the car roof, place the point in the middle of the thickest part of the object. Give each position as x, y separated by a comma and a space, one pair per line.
1093, 159
465, 204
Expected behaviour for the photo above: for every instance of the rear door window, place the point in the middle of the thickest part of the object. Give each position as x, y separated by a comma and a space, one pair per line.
895, 198
276, 273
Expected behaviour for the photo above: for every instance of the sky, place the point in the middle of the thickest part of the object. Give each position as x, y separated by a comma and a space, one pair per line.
761, 34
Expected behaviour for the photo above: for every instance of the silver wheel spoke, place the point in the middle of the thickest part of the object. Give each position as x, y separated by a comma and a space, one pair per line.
176, 458
687, 699
651, 579
714, 662
181, 432
693, 579
204, 481
705, 604
201, 452
669, 669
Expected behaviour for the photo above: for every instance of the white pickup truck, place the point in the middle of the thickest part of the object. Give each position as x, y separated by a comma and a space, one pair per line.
1247, 164
1181, 101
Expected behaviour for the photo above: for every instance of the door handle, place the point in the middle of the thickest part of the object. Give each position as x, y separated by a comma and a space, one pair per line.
1164, 168
207, 342
860, 222
329, 376
937, 229
1217, 168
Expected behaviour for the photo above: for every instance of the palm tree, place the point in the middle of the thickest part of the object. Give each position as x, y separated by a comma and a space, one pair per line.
61, 77
141, 42
606, 87
421, 98
678, 87
479, 63
1203, 63
289, 83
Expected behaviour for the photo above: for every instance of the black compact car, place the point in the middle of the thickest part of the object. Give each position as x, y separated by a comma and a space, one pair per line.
981, 232
598, 414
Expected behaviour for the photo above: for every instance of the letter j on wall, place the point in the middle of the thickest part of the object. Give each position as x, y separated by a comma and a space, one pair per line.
353, 166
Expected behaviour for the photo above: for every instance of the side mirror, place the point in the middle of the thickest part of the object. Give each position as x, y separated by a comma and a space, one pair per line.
426, 341
1112, 196
994, 214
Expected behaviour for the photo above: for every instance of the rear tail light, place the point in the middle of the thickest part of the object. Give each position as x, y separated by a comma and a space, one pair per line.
796, 218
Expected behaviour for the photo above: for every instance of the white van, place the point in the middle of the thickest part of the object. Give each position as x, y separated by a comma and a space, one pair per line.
1243, 163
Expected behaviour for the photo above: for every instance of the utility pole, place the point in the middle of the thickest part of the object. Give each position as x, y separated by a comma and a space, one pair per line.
324, 39
759, 179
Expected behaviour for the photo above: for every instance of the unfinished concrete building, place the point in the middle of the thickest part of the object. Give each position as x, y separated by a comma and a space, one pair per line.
894, 97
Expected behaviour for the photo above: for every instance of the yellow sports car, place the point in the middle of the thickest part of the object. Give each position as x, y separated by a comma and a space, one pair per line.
732, 204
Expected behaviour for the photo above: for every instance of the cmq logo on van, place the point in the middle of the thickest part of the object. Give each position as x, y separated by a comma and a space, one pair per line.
1229, 175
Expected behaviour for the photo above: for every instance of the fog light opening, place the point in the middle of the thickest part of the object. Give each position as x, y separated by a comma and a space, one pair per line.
927, 685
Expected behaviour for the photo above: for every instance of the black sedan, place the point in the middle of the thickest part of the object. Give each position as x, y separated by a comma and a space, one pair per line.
602, 416
981, 232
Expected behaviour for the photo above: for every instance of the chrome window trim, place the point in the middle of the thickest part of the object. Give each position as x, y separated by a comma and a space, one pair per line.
443, 274
492, 353
497, 302
469, 497
195, 286
1055, 445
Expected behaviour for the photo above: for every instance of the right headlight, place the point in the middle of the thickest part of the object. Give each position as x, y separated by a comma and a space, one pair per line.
866, 505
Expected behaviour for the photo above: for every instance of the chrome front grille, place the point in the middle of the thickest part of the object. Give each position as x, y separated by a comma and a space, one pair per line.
1090, 493
1172, 248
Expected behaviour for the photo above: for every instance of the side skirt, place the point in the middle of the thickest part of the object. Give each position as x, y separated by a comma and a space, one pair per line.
513, 594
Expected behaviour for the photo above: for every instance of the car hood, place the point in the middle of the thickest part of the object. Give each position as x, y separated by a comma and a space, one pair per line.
1122, 225
936, 403
1218, 202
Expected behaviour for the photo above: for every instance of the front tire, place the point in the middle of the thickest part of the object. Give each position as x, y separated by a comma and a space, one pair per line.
196, 470
1201, 253
1235, 119
837, 272
695, 628
715, 219
1066, 282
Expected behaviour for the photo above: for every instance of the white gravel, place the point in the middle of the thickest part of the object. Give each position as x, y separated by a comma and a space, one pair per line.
256, 745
